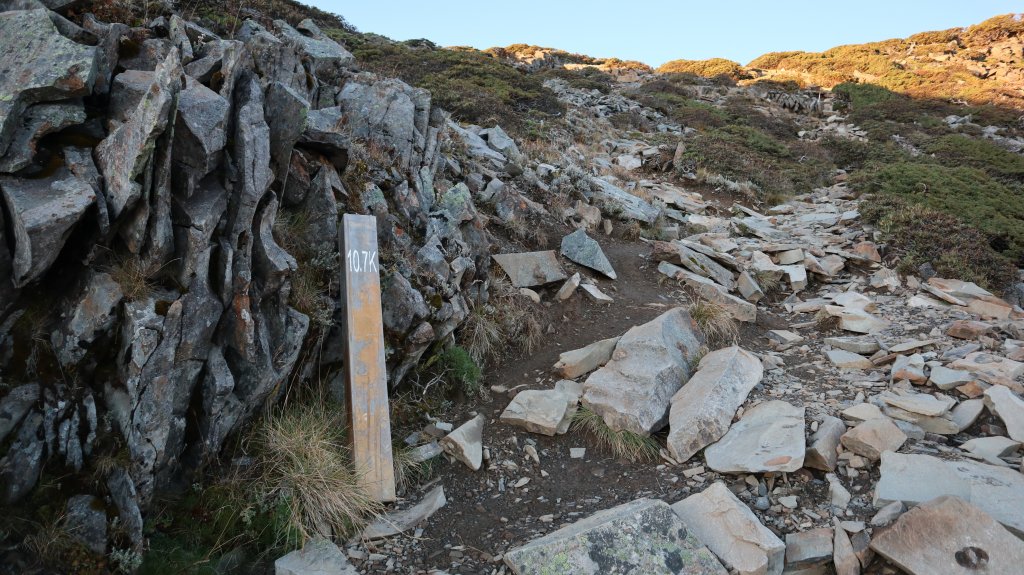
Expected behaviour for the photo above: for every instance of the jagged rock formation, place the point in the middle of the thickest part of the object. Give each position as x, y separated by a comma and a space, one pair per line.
171, 202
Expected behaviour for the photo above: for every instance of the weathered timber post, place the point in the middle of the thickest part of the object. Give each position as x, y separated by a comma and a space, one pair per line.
368, 413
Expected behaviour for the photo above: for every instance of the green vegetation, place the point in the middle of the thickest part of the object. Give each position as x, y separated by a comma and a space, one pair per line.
460, 368
474, 86
300, 484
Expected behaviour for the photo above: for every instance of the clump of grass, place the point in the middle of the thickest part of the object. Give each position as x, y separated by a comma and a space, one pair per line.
632, 231
408, 471
136, 277
482, 335
770, 282
300, 461
624, 444
714, 320
461, 369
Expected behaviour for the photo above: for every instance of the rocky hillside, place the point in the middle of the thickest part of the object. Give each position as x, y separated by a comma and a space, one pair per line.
171, 369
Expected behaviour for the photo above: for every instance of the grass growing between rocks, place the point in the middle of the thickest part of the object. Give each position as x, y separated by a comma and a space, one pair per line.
714, 321
298, 483
627, 445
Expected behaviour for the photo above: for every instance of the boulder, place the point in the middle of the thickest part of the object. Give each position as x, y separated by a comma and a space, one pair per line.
595, 293
650, 363
39, 64
873, 437
722, 522
531, 268
740, 310
43, 213
568, 288
949, 535
915, 479
768, 438
642, 536
703, 408
572, 364
544, 411
466, 443
584, 250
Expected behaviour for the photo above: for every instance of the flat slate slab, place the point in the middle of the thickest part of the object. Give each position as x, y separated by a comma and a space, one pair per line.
530, 269
768, 438
640, 537
584, 250
914, 479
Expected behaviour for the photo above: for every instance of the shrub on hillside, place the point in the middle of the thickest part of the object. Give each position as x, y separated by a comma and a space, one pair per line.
968, 194
921, 235
709, 68
957, 149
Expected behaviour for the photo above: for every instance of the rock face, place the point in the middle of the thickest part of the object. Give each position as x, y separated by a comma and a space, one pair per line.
704, 407
915, 479
769, 437
821, 453
732, 532
584, 250
1010, 409
650, 363
949, 535
147, 176
643, 536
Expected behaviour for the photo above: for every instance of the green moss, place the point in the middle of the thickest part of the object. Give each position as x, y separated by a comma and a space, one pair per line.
460, 368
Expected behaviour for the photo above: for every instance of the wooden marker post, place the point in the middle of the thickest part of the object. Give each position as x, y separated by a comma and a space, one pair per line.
368, 413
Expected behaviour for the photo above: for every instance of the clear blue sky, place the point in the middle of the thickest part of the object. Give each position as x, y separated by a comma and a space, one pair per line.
654, 32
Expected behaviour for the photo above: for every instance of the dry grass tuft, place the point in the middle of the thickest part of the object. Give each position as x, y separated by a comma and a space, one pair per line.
627, 445
300, 459
714, 320
632, 231
408, 471
136, 278
770, 282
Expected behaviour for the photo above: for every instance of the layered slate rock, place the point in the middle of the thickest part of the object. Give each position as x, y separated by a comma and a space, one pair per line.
584, 250
1010, 409
619, 200
642, 536
545, 411
769, 437
38, 64
914, 479
531, 268
466, 443
650, 363
949, 535
703, 408
123, 155
44, 212
732, 531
